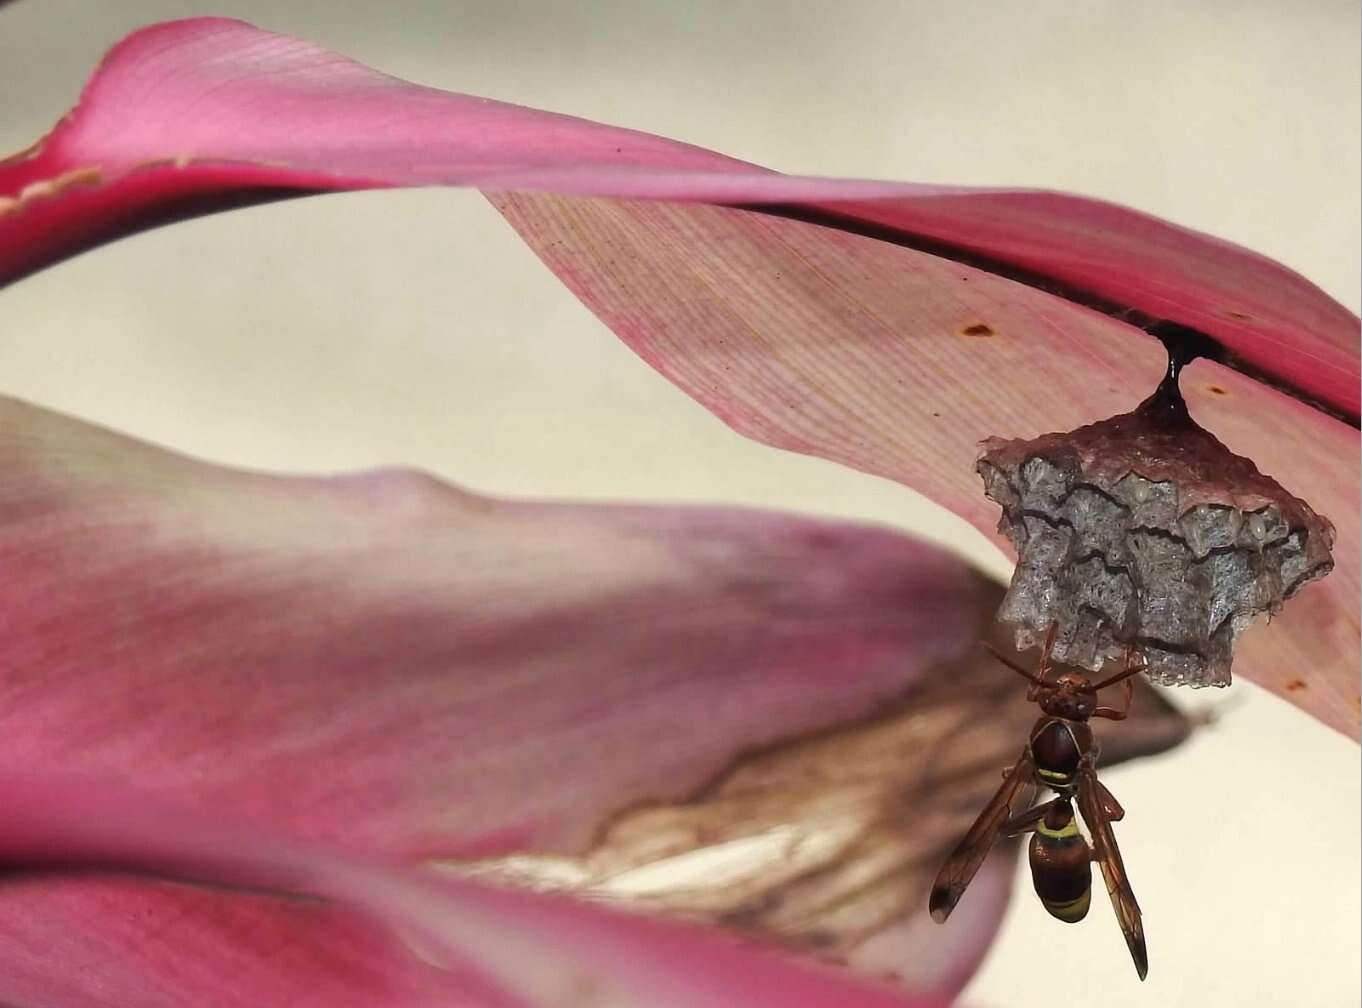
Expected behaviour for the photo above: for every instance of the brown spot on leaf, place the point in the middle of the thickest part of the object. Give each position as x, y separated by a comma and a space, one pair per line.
1295, 685
1216, 390
977, 329
1239, 316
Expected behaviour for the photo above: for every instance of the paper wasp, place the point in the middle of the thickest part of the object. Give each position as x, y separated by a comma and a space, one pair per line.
1061, 755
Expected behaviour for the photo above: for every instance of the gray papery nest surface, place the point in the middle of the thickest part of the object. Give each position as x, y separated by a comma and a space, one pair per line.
1144, 530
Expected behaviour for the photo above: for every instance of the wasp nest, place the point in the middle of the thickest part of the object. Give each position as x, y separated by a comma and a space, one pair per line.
1144, 530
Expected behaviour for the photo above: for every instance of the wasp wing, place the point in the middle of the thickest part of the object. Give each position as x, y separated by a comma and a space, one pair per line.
965, 860
1109, 803
1095, 813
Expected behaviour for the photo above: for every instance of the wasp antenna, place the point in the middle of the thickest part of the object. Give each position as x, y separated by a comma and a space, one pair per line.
1010, 663
1125, 673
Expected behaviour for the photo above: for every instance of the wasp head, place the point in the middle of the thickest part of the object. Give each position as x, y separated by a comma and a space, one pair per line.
1070, 696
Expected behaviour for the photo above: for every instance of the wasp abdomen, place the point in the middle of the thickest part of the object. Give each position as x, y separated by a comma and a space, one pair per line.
1061, 865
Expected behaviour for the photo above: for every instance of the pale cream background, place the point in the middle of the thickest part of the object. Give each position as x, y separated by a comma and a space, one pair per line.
413, 327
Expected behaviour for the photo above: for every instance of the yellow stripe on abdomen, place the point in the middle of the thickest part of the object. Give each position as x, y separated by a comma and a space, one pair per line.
1069, 829
1073, 911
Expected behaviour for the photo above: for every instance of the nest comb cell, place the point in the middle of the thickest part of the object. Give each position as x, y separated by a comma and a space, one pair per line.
1143, 531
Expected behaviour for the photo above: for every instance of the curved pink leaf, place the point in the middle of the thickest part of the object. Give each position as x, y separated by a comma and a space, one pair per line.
389, 662
476, 675
88, 942
899, 363
189, 115
922, 955
483, 947
809, 337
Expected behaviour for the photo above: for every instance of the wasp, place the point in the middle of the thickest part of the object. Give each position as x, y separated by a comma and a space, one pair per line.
1060, 754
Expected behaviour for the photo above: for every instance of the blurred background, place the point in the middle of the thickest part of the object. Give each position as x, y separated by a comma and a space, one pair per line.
413, 327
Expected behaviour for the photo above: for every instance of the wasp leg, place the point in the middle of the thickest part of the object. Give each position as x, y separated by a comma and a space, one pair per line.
1044, 668
1121, 713
1131, 668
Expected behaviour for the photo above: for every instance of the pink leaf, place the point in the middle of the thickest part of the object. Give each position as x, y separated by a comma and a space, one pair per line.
395, 665
925, 956
481, 947
406, 668
476, 675
83, 941
842, 338
186, 112
898, 363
